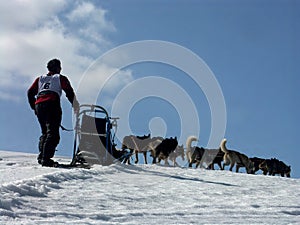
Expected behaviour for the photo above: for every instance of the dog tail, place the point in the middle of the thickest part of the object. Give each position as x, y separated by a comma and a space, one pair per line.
223, 146
189, 141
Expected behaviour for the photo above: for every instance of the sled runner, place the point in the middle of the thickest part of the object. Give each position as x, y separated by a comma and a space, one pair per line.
94, 138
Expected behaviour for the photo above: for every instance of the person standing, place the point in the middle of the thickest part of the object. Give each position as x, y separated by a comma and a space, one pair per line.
44, 98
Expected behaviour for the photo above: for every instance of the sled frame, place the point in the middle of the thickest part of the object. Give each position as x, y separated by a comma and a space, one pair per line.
90, 111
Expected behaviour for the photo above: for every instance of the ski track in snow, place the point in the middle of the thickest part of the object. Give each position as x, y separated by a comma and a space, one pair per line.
142, 194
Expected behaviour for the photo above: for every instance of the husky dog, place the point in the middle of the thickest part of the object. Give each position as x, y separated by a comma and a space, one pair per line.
193, 154
179, 151
218, 156
274, 166
256, 162
232, 158
140, 144
200, 155
120, 155
164, 149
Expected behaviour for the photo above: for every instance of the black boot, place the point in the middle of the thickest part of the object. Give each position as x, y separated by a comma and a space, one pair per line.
48, 163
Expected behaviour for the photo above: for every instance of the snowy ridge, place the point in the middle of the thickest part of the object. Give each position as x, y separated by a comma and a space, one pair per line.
38, 186
142, 194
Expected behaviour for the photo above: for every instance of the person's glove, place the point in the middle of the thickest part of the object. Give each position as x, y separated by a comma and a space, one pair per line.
76, 107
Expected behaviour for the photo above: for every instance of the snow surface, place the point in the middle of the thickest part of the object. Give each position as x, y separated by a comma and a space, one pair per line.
141, 194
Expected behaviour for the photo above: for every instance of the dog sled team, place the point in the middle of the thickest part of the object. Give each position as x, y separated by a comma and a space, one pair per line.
168, 149
94, 134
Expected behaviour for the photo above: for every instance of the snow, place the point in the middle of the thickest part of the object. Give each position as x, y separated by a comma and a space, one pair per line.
141, 194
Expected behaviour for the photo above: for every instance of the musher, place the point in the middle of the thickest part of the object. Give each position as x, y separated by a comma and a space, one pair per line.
44, 98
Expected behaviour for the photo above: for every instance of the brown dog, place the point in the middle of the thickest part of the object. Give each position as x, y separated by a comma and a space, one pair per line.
236, 158
140, 144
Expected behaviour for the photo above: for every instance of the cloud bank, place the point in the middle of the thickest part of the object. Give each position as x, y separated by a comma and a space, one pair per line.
33, 32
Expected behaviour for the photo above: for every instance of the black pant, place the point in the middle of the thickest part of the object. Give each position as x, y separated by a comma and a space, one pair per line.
49, 115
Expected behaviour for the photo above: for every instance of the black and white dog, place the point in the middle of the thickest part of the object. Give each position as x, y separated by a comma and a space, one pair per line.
201, 156
164, 149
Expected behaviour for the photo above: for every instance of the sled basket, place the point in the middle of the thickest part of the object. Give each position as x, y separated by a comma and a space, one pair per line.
93, 142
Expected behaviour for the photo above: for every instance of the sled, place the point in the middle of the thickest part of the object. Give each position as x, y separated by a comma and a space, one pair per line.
94, 138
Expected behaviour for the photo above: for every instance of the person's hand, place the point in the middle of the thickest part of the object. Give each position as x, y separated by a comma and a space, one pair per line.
76, 111
76, 108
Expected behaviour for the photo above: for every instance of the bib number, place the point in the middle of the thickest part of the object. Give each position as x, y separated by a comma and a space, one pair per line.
46, 86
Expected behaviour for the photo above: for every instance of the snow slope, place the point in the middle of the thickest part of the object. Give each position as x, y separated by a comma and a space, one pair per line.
143, 194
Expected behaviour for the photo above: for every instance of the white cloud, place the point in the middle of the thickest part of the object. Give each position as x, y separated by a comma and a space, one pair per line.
91, 24
89, 14
22, 14
102, 80
35, 31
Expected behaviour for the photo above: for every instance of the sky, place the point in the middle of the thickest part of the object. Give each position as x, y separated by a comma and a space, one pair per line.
138, 60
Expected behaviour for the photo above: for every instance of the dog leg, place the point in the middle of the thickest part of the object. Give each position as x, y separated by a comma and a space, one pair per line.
226, 163
136, 157
237, 168
220, 165
154, 160
231, 166
212, 166
145, 157
167, 162
223, 167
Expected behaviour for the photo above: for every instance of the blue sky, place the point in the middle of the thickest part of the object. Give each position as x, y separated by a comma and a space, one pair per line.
252, 48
